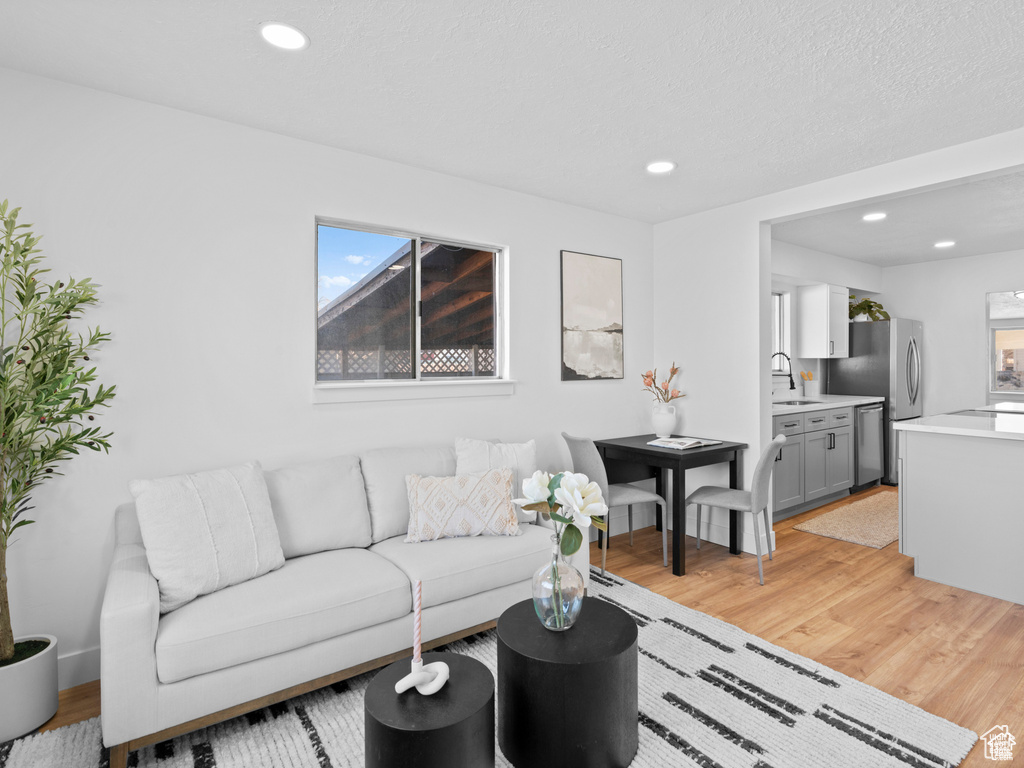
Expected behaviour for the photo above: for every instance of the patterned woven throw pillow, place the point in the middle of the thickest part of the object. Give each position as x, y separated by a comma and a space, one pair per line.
462, 505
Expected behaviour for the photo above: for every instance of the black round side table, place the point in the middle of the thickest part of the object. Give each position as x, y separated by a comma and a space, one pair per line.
454, 728
568, 699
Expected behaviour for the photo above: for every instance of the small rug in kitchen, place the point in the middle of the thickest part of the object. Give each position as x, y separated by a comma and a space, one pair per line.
872, 522
710, 695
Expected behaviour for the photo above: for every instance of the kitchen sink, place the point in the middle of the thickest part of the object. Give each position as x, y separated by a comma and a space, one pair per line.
796, 402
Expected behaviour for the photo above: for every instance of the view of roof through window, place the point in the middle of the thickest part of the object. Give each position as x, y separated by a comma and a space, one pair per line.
366, 308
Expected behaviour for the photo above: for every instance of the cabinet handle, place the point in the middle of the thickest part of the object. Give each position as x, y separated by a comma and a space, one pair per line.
817, 421
792, 424
779, 457
831, 347
844, 416
831, 440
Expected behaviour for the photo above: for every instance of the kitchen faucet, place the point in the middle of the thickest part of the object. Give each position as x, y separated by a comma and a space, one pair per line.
792, 384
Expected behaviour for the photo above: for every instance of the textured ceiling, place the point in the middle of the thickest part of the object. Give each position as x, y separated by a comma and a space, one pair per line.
983, 215
566, 99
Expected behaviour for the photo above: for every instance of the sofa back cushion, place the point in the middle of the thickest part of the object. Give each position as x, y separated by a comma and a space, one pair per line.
384, 472
206, 531
319, 505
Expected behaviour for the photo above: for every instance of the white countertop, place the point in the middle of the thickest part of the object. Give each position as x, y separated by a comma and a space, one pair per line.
984, 422
821, 403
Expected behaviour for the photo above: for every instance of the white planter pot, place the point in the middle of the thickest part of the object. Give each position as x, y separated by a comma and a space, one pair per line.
29, 691
663, 419
861, 318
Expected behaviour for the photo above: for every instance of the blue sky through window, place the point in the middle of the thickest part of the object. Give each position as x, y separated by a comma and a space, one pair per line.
346, 256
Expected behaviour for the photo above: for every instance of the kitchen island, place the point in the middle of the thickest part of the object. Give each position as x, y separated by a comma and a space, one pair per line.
961, 502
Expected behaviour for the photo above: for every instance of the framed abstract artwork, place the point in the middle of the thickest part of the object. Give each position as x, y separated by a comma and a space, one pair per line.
591, 317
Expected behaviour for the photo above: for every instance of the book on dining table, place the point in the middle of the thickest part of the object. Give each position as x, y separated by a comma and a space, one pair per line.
682, 443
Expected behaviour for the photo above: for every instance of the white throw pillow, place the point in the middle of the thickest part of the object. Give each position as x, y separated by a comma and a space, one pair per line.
319, 505
474, 457
206, 531
463, 505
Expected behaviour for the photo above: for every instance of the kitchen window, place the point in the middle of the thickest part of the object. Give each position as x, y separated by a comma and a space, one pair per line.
396, 307
780, 331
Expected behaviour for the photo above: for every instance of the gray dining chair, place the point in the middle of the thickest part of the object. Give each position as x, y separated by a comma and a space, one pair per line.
586, 459
753, 501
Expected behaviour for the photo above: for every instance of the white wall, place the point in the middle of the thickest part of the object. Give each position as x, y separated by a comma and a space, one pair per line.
712, 295
806, 265
202, 236
948, 296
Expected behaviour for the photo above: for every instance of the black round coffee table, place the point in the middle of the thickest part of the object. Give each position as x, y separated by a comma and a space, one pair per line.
568, 699
454, 728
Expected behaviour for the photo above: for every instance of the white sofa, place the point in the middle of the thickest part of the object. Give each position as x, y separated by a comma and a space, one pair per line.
318, 619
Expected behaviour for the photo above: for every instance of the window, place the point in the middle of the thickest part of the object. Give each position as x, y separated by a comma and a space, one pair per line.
1006, 343
780, 332
401, 307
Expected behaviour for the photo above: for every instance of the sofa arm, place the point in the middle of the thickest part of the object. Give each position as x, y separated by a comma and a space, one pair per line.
128, 627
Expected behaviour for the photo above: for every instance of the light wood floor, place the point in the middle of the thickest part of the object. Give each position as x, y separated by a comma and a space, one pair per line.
861, 611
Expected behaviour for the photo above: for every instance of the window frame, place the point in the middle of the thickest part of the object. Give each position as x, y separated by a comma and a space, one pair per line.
355, 390
782, 338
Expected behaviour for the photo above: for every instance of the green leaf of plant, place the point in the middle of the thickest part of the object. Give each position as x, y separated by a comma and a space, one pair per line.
560, 518
572, 538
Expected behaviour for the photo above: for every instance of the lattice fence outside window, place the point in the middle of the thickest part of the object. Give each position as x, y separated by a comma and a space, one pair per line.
392, 363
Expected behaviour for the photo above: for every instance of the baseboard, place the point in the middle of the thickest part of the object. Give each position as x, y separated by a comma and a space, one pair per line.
77, 667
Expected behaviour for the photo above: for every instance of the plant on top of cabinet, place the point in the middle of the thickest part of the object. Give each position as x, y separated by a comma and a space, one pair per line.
866, 309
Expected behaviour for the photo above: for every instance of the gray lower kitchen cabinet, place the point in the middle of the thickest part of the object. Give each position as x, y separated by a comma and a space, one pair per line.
828, 462
788, 477
816, 463
840, 459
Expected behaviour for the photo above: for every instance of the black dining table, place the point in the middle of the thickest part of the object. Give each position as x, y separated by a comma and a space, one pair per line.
619, 453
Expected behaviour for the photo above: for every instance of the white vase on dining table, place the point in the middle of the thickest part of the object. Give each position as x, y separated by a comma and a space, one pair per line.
663, 418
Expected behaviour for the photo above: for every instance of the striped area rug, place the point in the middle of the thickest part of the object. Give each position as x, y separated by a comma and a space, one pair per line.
710, 695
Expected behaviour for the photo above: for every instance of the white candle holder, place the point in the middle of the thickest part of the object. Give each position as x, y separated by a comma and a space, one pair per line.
428, 679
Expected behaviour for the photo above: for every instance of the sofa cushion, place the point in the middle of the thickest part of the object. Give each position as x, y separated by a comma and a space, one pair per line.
308, 599
454, 568
384, 472
474, 457
319, 505
462, 505
206, 531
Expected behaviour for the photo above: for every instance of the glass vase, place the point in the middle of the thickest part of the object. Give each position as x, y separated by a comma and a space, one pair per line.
557, 591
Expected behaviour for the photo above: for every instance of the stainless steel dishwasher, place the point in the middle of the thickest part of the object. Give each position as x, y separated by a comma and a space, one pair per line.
869, 454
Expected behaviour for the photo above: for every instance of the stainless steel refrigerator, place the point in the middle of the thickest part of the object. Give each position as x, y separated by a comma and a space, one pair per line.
885, 360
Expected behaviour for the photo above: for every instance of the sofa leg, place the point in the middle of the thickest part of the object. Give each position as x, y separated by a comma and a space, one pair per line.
119, 756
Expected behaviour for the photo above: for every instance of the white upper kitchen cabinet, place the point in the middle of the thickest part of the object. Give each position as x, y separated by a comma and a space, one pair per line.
823, 318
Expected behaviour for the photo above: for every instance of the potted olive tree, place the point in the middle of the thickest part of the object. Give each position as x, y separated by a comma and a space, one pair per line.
47, 400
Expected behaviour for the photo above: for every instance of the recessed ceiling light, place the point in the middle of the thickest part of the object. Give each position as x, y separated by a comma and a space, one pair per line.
876, 216
284, 36
661, 166
945, 243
